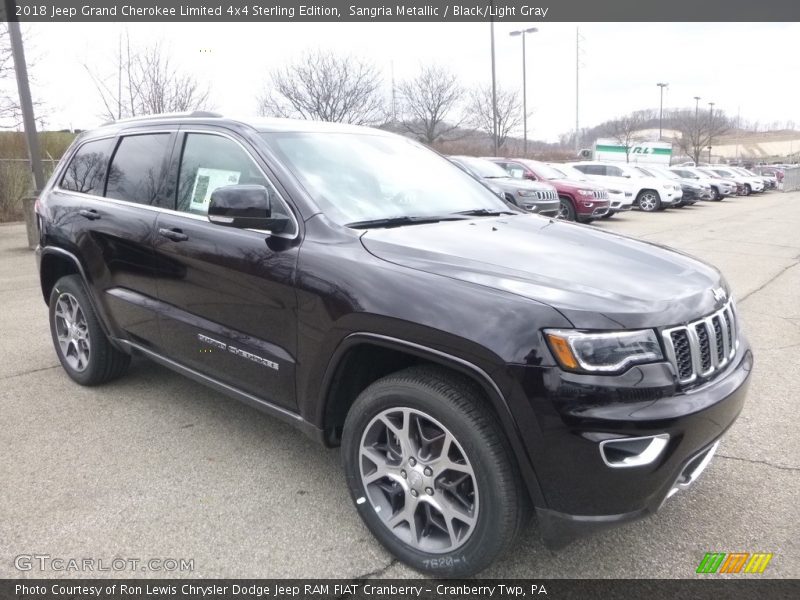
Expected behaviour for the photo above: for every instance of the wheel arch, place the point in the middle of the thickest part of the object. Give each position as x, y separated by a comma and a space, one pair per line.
336, 399
57, 263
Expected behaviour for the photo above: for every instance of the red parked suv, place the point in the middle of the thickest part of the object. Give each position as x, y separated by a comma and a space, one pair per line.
580, 200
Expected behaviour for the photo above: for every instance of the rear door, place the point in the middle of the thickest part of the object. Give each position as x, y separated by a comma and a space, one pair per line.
116, 209
229, 298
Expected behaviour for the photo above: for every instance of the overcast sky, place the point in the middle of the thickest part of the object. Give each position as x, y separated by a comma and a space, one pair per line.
752, 66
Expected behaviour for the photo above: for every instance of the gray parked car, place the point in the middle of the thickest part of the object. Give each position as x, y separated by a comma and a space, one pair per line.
533, 196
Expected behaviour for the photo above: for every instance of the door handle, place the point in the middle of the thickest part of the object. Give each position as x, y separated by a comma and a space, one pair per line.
175, 234
89, 213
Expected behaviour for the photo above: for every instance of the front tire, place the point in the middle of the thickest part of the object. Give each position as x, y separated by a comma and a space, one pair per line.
716, 196
431, 473
648, 201
747, 189
566, 211
80, 342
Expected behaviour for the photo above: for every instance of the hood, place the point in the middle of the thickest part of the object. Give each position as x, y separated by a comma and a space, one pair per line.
513, 183
597, 280
576, 184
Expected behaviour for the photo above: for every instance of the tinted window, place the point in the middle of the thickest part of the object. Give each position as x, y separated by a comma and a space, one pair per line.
592, 169
86, 171
612, 171
210, 161
137, 169
516, 171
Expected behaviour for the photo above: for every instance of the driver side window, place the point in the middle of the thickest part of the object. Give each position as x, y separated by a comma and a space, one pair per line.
211, 161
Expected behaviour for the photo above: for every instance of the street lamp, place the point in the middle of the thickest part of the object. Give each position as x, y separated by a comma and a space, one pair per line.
696, 133
661, 108
522, 33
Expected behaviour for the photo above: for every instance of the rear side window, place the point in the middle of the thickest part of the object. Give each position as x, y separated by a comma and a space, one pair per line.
211, 161
86, 172
592, 169
137, 169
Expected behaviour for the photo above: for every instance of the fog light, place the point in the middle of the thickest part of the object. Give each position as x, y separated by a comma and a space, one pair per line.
633, 452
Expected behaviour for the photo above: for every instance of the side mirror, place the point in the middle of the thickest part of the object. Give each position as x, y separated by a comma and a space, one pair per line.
244, 207
530, 176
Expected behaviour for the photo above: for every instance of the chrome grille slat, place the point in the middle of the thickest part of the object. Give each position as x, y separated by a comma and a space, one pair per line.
702, 347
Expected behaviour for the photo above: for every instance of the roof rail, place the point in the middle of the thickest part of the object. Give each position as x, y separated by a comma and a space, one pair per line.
197, 114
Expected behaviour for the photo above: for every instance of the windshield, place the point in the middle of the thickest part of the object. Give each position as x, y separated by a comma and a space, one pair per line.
482, 168
724, 173
569, 172
640, 171
709, 173
664, 173
542, 170
361, 177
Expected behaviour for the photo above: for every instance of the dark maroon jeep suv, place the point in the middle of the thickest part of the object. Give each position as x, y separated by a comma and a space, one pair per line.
472, 360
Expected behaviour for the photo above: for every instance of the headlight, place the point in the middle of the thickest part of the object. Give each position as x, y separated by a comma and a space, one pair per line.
586, 192
526, 193
602, 352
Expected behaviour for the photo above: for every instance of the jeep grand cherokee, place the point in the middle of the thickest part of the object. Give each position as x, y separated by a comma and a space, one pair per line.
472, 360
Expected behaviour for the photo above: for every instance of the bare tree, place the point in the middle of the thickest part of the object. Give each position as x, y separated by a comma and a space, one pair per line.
509, 112
325, 87
145, 81
9, 106
625, 130
698, 130
428, 100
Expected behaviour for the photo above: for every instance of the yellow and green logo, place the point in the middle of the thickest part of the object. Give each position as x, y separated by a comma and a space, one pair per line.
734, 562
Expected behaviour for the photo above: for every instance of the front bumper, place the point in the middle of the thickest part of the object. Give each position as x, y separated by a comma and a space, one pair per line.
581, 492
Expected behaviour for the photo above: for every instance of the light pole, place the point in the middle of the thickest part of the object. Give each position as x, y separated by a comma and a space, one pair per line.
661, 108
696, 133
522, 32
710, 127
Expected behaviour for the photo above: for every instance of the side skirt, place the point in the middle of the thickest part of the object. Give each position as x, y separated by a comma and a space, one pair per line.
283, 414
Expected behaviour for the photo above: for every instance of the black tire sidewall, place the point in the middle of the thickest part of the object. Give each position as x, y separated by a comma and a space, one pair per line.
482, 546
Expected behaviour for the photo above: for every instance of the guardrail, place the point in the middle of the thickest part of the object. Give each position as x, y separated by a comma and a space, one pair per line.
791, 179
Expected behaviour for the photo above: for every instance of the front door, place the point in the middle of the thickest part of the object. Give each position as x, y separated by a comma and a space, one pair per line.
229, 299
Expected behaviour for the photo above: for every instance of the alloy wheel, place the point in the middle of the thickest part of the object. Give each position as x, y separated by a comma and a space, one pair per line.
72, 332
418, 480
647, 202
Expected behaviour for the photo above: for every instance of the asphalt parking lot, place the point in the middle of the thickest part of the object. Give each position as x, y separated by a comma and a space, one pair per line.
156, 466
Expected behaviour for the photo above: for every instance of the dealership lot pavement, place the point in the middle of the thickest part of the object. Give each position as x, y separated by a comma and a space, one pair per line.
157, 466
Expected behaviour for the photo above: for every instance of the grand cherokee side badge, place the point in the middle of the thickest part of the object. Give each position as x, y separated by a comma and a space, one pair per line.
264, 362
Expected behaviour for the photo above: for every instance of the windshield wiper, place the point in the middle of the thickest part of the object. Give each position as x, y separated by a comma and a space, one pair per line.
484, 212
399, 221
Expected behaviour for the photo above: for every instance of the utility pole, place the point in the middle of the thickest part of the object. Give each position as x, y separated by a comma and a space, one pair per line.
696, 133
494, 93
25, 101
394, 95
577, 88
661, 109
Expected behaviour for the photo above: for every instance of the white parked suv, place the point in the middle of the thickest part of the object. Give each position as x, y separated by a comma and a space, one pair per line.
649, 193
750, 184
720, 188
620, 196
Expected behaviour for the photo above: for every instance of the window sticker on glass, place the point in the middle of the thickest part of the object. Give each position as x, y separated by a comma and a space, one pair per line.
205, 182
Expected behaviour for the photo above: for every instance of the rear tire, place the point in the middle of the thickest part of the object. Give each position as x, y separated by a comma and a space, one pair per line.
80, 342
747, 189
716, 196
648, 201
431, 473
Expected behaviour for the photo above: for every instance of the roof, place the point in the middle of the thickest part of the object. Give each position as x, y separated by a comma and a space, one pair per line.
262, 124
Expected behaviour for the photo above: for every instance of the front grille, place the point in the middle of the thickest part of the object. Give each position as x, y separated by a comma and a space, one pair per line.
703, 347
546, 195
601, 194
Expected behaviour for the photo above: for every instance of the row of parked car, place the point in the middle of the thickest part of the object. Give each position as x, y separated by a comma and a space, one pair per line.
588, 190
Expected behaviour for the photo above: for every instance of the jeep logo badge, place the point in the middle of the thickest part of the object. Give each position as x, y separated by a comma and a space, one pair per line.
719, 294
